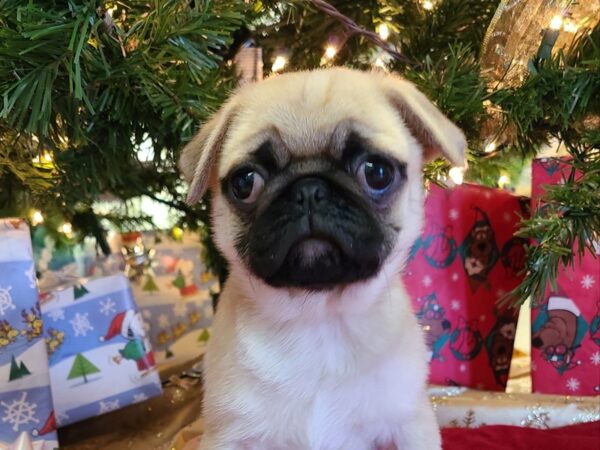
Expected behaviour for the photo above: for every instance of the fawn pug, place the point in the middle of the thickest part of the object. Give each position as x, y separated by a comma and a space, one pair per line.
317, 198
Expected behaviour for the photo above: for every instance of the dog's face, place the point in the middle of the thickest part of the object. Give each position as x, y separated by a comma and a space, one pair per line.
481, 246
316, 175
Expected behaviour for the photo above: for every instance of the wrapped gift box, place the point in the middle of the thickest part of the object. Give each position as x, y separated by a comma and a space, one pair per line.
100, 356
62, 258
465, 261
25, 399
566, 323
175, 297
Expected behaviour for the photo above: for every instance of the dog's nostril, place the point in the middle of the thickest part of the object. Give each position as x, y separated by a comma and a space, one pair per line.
310, 190
318, 194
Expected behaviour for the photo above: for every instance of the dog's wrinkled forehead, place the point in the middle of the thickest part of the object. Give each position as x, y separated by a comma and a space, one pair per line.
309, 113
313, 115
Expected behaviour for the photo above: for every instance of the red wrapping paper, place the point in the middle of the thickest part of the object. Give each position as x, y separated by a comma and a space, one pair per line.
566, 323
581, 437
466, 259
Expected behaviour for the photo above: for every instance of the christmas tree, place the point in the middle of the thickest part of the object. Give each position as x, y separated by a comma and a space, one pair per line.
150, 284
179, 281
86, 86
79, 291
204, 336
99, 98
82, 367
17, 370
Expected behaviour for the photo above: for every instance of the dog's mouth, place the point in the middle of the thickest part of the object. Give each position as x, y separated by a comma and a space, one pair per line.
312, 262
307, 251
319, 262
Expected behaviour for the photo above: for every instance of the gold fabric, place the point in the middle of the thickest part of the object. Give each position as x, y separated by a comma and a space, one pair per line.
516, 32
172, 421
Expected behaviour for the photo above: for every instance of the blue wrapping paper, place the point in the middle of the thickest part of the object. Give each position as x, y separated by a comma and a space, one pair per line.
175, 298
100, 356
25, 398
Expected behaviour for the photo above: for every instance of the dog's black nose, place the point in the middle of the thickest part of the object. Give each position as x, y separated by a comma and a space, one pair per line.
310, 191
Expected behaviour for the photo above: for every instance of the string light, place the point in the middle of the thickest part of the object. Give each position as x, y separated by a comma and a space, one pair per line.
45, 158
490, 147
279, 63
66, 228
36, 217
111, 10
427, 4
556, 22
503, 180
384, 31
457, 174
330, 52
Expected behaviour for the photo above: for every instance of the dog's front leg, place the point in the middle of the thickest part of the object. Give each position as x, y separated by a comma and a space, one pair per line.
419, 431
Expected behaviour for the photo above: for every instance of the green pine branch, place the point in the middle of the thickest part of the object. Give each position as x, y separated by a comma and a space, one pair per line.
565, 225
88, 87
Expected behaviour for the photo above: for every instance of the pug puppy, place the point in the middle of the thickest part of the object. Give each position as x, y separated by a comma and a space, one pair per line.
316, 200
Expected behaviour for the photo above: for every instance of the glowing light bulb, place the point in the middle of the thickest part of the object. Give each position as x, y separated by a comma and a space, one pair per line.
427, 4
503, 180
457, 174
279, 63
384, 31
380, 63
330, 52
556, 22
490, 147
66, 228
111, 10
45, 158
36, 218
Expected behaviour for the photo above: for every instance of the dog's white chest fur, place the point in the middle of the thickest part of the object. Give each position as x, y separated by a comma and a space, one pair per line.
328, 380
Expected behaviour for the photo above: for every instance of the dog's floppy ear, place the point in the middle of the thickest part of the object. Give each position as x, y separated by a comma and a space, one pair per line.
199, 157
437, 135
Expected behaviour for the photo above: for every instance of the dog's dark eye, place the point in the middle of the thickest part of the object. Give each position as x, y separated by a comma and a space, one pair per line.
376, 174
246, 185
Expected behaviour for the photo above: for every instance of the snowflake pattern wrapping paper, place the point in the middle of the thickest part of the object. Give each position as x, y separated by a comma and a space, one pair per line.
565, 326
466, 259
25, 399
100, 356
175, 299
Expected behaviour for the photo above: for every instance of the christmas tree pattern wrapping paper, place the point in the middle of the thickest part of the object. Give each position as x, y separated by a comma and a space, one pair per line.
100, 356
465, 261
175, 298
25, 398
565, 325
